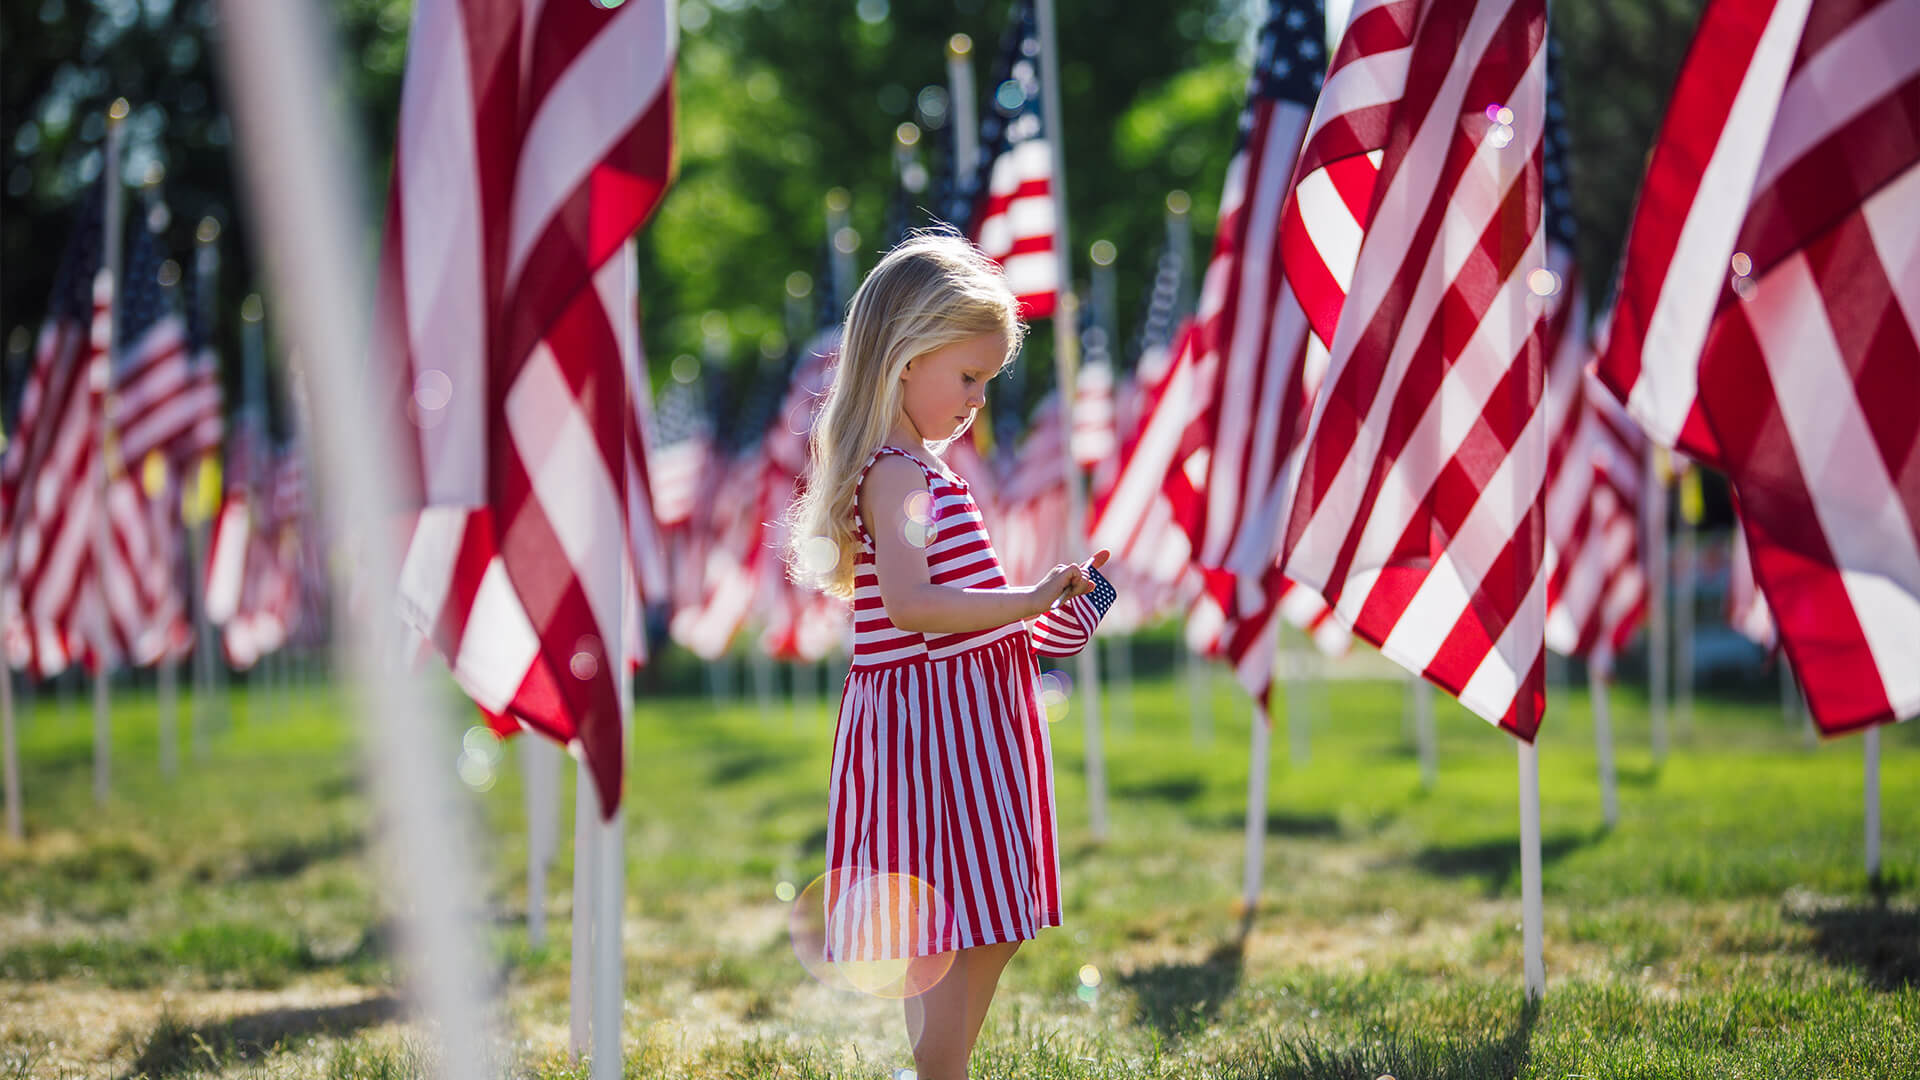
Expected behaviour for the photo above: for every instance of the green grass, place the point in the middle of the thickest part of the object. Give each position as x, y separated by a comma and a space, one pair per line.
229, 922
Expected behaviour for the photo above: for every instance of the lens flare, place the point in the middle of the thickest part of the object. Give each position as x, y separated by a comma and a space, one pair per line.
873, 918
1500, 135
819, 555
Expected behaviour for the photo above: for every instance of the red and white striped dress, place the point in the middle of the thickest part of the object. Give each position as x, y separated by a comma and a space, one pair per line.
941, 830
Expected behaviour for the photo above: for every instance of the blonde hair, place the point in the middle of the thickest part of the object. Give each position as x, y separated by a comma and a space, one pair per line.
931, 291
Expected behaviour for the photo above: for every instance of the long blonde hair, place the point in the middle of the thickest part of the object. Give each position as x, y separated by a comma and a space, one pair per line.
933, 290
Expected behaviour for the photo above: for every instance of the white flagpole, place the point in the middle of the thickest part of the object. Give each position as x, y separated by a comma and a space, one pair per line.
206, 265
540, 779
302, 170
102, 375
1423, 733
1530, 919
1259, 765
610, 883
1066, 345
579, 988
1870, 747
1603, 743
965, 123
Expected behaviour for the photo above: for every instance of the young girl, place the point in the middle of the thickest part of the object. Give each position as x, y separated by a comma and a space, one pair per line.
940, 841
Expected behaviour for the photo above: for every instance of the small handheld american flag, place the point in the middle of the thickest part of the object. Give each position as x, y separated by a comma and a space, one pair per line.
1102, 595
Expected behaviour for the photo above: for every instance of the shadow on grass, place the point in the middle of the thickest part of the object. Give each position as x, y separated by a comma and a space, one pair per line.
177, 1049
1883, 942
742, 764
1399, 1054
1175, 789
1176, 999
1637, 776
1283, 823
287, 857
1497, 862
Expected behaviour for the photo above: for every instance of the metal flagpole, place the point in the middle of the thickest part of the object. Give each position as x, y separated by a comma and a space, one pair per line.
102, 379
1530, 919
1603, 743
1066, 342
302, 171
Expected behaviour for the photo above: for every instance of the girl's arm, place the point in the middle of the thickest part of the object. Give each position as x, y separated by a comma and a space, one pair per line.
912, 600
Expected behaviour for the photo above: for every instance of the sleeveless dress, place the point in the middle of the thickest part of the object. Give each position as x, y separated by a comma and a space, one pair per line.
941, 832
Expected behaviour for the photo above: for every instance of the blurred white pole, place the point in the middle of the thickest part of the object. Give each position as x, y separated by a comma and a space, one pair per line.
585, 857
303, 171
1423, 733
960, 102
1656, 520
610, 885
1603, 744
206, 269
1259, 765
1870, 746
1199, 700
1535, 965
102, 376
540, 783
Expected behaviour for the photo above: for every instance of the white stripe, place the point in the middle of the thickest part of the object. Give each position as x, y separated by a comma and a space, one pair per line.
607, 87
1470, 380
569, 478
439, 210
1859, 509
1663, 395
1871, 58
1330, 226
1035, 273
1375, 79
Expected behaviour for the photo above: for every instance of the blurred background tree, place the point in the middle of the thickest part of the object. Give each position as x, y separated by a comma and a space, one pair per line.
778, 101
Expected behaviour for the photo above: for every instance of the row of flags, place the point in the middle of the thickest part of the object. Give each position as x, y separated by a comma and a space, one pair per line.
121, 418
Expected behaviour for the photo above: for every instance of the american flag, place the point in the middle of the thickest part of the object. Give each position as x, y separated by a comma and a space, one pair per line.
1747, 610
681, 453
1418, 511
1213, 454
157, 402
534, 138
1596, 585
1013, 218
1767, 323
47, 489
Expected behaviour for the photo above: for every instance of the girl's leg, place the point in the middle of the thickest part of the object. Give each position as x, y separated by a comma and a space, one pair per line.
937, 1019
944, 1021
983, 978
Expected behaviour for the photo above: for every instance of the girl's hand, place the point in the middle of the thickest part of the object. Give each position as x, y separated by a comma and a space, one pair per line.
1068, 581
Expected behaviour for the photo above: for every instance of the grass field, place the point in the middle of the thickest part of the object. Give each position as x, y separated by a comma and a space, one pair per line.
229, 922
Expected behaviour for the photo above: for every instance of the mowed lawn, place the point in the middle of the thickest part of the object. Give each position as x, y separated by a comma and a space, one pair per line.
230, 922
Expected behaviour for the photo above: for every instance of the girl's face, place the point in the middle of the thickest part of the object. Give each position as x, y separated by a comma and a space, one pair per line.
940, 391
